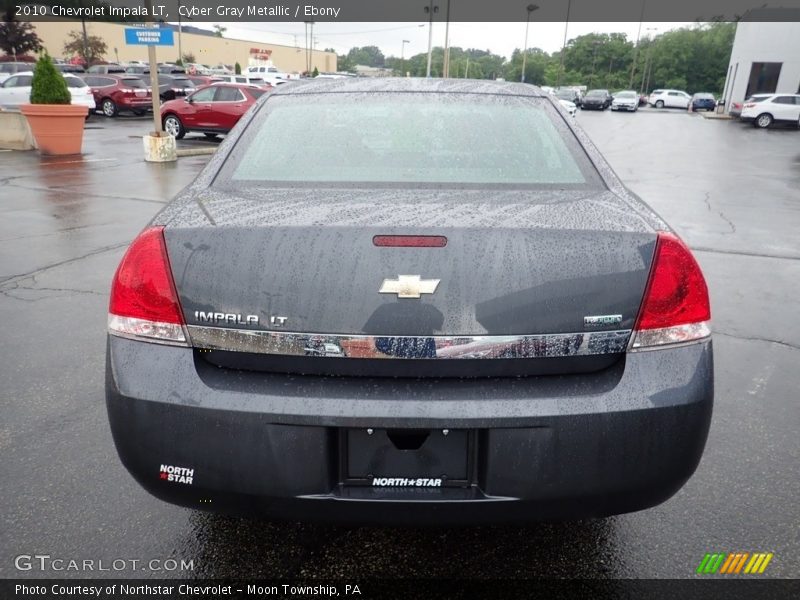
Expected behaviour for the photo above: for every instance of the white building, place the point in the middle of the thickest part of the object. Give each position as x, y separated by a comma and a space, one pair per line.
766, 55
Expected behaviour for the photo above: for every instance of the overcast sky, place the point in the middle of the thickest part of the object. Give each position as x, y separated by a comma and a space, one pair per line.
500, 38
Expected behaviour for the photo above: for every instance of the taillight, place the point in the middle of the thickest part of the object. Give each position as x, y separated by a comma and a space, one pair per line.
144, 303
750, 105
675, 307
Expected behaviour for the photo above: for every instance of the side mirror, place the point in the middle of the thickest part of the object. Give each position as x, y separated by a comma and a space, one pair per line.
189, 99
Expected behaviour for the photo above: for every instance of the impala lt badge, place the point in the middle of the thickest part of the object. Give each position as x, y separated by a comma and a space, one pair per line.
409, 286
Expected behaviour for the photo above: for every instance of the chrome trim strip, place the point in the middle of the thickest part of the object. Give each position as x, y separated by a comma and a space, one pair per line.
551, 345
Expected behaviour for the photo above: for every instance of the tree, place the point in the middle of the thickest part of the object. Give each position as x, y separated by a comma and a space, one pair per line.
18, 38
47, 85
94, 51
188, 57
219, 30
370, 56
237, 68
315, 72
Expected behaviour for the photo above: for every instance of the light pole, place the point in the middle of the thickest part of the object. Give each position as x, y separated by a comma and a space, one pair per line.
530, 8
180, 31
636, 48
430, 9
648, 65
446, 63
563, 46
403, 56
595, 43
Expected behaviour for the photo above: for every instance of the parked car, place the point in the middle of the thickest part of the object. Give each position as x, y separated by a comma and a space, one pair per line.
271, 75
173, 86
735, 109
247, 79
627, 100
16, 90
203, 80
569, 94
66, 67
570, 107
7, 69
137, 69
596, 100
170, 68
360, 215
642, 99
211, 110
115, 93
764, 110
669, 99
703, 101
106, 69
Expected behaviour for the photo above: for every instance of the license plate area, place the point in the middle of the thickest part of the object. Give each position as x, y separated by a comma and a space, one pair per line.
407, 458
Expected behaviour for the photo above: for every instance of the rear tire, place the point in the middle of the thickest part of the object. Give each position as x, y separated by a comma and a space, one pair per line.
108, 107
659, 104
174, 127
763, 120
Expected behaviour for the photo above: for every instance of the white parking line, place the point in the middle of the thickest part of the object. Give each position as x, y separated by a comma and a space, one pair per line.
68, 162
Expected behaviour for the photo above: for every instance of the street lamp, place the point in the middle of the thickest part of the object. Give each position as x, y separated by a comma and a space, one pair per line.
563, 46
530, 8
403, 56
430, 9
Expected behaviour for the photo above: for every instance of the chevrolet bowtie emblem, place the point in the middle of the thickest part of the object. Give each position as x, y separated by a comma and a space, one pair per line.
409, 286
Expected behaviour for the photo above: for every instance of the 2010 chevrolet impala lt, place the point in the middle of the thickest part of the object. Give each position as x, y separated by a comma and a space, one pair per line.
409, 301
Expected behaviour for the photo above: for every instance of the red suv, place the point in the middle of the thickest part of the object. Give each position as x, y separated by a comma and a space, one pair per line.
210, 110
113, 93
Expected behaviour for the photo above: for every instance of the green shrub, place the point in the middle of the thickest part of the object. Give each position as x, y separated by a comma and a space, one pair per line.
48, 85
237, 68
315, 73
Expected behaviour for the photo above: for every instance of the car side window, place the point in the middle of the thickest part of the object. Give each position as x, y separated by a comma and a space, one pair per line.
23, 80
227, 94
784, 100
241, 80
105, 81
11, 81
673, 94
204, 95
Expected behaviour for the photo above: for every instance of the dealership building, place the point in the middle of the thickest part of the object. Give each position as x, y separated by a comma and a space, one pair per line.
203, 45
766, 55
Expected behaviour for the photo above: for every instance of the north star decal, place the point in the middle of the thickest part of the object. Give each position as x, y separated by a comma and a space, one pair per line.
405, 482
177, 474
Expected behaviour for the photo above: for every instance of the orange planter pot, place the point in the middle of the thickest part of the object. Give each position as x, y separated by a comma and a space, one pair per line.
57, 128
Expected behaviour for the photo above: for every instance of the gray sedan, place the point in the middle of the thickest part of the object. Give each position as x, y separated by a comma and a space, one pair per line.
404, 301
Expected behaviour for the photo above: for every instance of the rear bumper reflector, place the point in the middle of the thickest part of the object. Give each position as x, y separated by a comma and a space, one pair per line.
172, 334
648, 339
551, 345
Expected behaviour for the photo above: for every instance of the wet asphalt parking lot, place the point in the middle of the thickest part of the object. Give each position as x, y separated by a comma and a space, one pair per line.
733, 192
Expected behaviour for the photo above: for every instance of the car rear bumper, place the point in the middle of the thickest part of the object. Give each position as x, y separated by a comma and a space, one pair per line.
574, 446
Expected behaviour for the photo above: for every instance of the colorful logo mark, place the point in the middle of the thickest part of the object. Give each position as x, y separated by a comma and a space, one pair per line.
734, 563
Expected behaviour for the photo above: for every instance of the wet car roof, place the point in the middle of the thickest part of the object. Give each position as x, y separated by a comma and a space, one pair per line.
398, 84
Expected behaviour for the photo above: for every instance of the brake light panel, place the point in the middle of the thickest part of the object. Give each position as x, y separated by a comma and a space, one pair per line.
675, 308
144, 303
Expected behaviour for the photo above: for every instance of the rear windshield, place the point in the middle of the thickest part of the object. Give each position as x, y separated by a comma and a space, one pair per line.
75, 82
594, 93
133, 82
409, 138
626, 95
756, 98
182, 82
256, 93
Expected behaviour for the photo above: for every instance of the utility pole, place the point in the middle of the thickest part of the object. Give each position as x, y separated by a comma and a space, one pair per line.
151, 56
446, 65
85, 40
403, 56
636, 48
530, 8
180, 31
563, 46
430, 9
